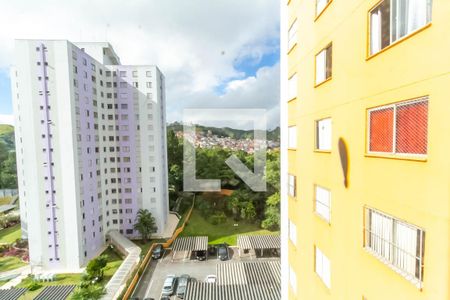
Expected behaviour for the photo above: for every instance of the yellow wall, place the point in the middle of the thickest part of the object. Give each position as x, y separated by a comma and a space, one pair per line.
415, 191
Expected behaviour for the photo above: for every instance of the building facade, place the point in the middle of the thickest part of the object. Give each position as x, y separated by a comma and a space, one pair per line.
368, 165
91, 148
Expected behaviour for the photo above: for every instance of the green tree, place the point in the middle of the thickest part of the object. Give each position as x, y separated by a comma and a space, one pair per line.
145, 224
248, 211
95, 266
90, 292
272, 213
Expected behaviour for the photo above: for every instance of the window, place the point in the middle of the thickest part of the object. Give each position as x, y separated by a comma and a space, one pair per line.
292, 87
292, 185
135, 73
108, 73
135, 84
292, 137
148, 73
396, 243
149, 96
123, 84
323, 64
292, 229
393, 19
122, 73
149, 84
400, 128
292, 35
322, 267
322, 203
293, 280
323, 134
321, 5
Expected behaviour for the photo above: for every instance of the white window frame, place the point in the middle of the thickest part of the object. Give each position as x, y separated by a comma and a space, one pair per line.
324, 137
383, 239
322, 267
322, 202
321, 5
292, 185
292, 87
395, 35
321, 65
292, 137
293, 279
292, 232
292, 35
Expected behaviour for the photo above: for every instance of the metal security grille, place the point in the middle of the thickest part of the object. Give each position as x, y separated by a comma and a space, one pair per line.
400, 128
396, 243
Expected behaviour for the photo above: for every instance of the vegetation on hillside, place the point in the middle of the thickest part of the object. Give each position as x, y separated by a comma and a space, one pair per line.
273, 134
261, 208
8, 176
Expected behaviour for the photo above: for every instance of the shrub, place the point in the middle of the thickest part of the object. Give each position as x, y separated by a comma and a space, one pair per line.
34, 286
90, 292
20, 243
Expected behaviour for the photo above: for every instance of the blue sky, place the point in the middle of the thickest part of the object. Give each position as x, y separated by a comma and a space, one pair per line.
5, 93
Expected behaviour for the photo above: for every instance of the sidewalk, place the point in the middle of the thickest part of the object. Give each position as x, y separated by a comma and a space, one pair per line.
21, 273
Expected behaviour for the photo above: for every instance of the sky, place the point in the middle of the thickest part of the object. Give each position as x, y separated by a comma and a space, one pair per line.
214, 54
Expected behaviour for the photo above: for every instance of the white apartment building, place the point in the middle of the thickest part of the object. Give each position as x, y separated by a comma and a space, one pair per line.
91, 148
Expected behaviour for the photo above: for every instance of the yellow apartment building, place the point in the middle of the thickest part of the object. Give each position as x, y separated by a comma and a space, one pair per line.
368, 149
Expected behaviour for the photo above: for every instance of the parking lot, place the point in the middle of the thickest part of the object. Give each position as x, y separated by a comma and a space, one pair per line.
195, 269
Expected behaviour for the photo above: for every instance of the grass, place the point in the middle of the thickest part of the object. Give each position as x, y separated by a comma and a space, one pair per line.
8, 263
5, 200
10, 235
221, 233
114, 261
60, 279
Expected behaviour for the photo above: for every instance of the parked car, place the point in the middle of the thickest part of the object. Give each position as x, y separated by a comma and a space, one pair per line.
210, 279
165, 298
212, 250
169, 285
200, 255
223, 252
182, 284
158, 252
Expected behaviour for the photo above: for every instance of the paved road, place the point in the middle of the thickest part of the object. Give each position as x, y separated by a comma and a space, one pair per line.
144, 282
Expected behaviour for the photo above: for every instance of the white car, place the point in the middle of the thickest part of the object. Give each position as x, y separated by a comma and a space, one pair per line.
169, 285
210, 279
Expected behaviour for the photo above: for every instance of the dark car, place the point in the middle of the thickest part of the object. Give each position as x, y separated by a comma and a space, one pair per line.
212, 250
200, 255
158, 252
165, 298
223, 252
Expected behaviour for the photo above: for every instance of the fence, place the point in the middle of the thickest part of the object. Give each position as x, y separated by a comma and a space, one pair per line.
147, 257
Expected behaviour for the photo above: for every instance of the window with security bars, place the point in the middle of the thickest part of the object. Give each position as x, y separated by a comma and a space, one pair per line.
396, 243
323, 203
292, 190
400, 128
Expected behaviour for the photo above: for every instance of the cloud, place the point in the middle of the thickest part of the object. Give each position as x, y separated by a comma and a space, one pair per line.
195, 43
7, 119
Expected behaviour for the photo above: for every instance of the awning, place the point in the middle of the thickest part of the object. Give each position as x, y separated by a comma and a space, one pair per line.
190, 243
252, 242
